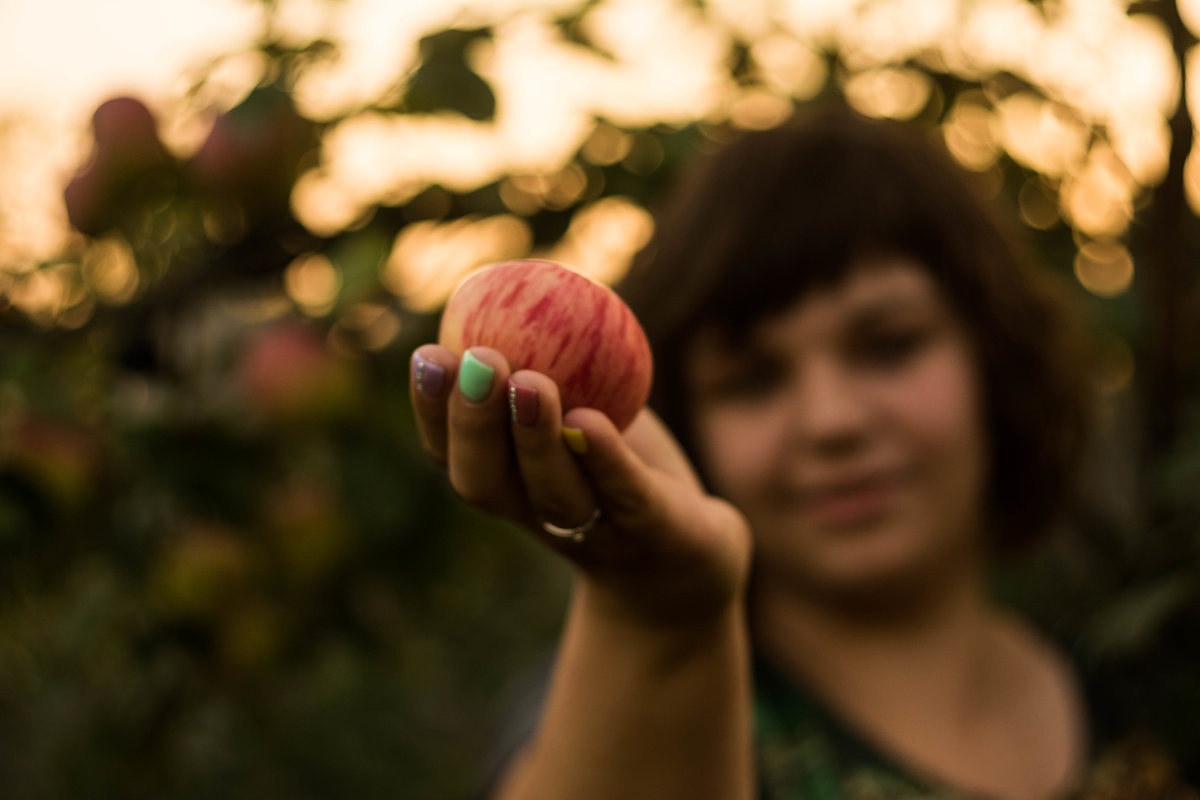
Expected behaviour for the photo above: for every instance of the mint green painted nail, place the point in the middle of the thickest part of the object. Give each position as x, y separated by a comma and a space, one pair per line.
474, 378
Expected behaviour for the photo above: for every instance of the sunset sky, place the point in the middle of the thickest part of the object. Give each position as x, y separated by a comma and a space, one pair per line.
60, 58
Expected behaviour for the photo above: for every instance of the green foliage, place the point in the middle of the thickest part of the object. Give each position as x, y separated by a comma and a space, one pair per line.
290, 608
445, 81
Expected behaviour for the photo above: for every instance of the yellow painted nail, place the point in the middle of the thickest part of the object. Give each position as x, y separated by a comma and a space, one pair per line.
575, 440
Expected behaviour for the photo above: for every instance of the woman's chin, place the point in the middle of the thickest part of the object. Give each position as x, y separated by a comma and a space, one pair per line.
883, 570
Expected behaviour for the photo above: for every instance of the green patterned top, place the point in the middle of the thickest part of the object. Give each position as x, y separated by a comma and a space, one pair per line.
805, 753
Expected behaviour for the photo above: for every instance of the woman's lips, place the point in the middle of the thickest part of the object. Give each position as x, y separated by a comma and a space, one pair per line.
852, 503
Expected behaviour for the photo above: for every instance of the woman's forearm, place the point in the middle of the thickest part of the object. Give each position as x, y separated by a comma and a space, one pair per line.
636, 712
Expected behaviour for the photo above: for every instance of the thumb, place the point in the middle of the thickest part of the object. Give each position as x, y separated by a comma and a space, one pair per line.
659, 449
658, 498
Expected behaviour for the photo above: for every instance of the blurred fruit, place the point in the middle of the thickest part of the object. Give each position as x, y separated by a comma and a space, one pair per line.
308, 526
201, 572
59, 459
288, 374
126, 134
254, 153
89, 203
127, 151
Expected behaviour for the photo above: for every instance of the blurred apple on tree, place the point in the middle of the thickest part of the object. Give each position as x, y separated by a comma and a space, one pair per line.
254, 152
126, 154
288, 374
60, 459
200, 572
307, 526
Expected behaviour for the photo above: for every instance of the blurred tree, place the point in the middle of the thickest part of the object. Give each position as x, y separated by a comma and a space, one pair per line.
229, 570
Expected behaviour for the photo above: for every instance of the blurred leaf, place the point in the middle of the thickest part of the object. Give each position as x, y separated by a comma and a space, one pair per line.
573, 30
212, 471
741, 63
359, 256
445, 82
1180, 469
1134, 620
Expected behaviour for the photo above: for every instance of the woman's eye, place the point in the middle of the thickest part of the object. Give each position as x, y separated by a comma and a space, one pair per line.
748, 383
891, 349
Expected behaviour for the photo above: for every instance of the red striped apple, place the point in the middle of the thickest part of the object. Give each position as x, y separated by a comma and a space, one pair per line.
546, 317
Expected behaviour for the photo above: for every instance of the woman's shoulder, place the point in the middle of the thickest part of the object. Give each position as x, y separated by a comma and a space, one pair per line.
1128, 757
1123, 758
1046, 694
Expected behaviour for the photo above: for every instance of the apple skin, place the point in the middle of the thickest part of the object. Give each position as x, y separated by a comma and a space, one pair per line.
545, 317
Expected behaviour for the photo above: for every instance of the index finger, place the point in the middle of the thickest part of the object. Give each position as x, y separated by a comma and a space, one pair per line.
653, 442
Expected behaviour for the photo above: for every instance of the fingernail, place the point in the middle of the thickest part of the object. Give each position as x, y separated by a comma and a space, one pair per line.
474, 378
523, 403
575, 440
428, 376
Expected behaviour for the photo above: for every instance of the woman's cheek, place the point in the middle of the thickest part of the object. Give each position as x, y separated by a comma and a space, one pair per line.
738, 450
940, 408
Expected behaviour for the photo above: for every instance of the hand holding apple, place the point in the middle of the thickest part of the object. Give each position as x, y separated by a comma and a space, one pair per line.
545, 317
587, 460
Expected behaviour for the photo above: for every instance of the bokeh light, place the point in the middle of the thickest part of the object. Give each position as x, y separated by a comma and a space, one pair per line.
1098, 199
970, 131
313, 282
430, 258
603, 238
1105, 268
1101, 83
888, 92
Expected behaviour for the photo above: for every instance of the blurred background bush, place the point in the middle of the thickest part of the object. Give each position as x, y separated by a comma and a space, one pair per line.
225, 568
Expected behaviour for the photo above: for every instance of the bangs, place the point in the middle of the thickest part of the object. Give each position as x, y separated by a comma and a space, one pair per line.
765, 245
793, 244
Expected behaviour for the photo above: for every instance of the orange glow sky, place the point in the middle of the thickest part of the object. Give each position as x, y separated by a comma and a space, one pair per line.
60, 58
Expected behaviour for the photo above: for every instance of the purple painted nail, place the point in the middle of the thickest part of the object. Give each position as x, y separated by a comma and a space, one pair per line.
429, 378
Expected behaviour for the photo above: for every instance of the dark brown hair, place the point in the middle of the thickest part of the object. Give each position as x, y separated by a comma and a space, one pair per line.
777, 213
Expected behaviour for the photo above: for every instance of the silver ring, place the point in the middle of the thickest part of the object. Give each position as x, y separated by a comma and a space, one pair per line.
576, 534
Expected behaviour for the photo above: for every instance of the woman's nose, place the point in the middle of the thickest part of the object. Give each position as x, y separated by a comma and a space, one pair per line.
829, 411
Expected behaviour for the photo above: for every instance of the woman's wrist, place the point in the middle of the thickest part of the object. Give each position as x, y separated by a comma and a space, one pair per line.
672, 627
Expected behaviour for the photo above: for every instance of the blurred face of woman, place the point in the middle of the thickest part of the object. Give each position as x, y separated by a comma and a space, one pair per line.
849, 430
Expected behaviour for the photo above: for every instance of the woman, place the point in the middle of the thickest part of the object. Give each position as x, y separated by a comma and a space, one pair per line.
782, 588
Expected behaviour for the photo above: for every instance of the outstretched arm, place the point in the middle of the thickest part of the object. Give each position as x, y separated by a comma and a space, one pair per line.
651, 691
